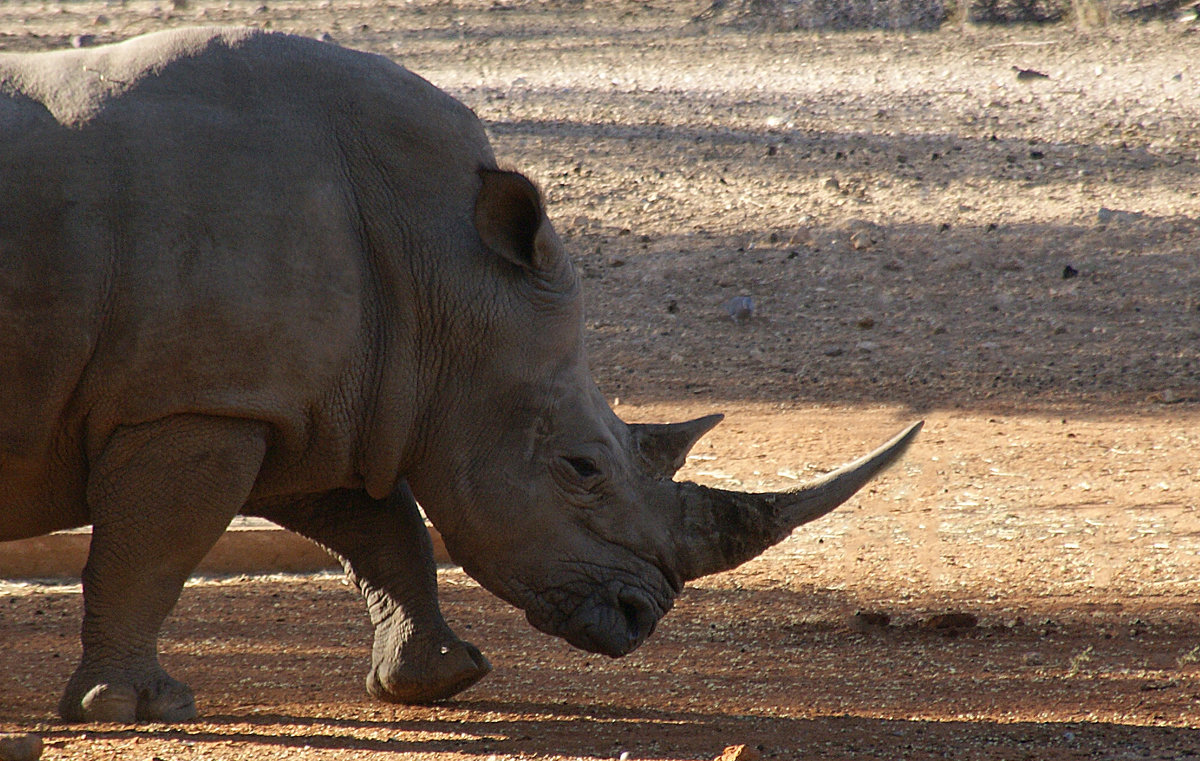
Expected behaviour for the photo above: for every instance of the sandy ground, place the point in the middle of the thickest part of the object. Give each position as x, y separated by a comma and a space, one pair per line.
922, 234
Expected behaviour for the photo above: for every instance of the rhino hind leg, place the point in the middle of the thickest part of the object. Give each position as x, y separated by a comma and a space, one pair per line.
160, 495
387, 553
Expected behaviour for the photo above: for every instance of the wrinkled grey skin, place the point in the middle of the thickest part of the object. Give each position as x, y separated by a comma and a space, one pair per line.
246, 272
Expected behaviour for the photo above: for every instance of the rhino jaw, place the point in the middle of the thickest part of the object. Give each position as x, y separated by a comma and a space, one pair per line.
723, 529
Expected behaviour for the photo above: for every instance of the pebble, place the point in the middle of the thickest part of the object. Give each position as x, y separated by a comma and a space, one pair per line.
1027, 74
951, 622
20, 747
865, 621
1107, 215
861, 240
867, 346
83, 40
740, 308
739, 753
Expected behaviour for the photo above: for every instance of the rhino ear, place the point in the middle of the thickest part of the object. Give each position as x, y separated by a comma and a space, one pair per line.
663, 448
511, 220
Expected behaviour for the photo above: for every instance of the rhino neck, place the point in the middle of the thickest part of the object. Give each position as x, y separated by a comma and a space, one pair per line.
422, 366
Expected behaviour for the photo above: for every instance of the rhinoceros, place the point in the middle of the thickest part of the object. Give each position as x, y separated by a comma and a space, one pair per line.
247, 272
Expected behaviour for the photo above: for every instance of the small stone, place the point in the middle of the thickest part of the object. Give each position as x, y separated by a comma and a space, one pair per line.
1026, 75
865, 323
831, 183
1032, 659
861, 240
325, 37
802, 236
739, 753
1069, 272
20, 747
833, 351
867, 346
1168, 396
83, 40
1115, 216
740, 308
865, 621
951, 622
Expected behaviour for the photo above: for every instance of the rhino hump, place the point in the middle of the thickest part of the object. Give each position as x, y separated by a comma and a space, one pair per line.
218, 221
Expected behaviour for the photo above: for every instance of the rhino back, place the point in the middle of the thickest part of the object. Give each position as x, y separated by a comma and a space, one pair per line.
213, 221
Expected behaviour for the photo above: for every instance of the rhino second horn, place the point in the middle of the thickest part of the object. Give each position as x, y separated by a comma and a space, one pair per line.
663, 447
723, 529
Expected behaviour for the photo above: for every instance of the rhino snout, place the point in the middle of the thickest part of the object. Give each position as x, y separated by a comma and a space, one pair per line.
612, 622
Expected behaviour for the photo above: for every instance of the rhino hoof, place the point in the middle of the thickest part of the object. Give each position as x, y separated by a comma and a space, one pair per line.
455, 666
167, 701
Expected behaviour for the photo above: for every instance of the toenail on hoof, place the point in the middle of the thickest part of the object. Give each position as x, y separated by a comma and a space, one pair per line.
112, 703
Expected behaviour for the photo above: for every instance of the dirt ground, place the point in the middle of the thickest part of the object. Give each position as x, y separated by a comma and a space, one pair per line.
922, 234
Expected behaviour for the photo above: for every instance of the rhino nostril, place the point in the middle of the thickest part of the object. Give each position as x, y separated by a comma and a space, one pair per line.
631, 620
639, 615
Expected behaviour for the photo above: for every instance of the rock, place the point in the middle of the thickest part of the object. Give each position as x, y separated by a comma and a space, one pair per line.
861, 240
1173, 396
1115, 216
865, 323
83, 40
866, 621
1026, 75
739, 753
740, 308
867, 346
1069, 272
20, 747
951, 623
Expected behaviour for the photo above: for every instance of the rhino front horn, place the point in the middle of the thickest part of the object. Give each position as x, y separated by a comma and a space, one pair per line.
723, 529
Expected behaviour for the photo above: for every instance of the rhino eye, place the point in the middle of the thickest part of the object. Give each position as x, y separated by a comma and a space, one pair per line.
584, 467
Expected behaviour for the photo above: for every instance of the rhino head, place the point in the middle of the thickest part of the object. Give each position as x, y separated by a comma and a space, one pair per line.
548, 499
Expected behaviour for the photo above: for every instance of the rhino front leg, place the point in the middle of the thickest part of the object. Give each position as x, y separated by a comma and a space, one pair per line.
159, 494
387, 553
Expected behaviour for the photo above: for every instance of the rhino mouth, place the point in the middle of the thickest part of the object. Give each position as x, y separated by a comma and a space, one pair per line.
613, 620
